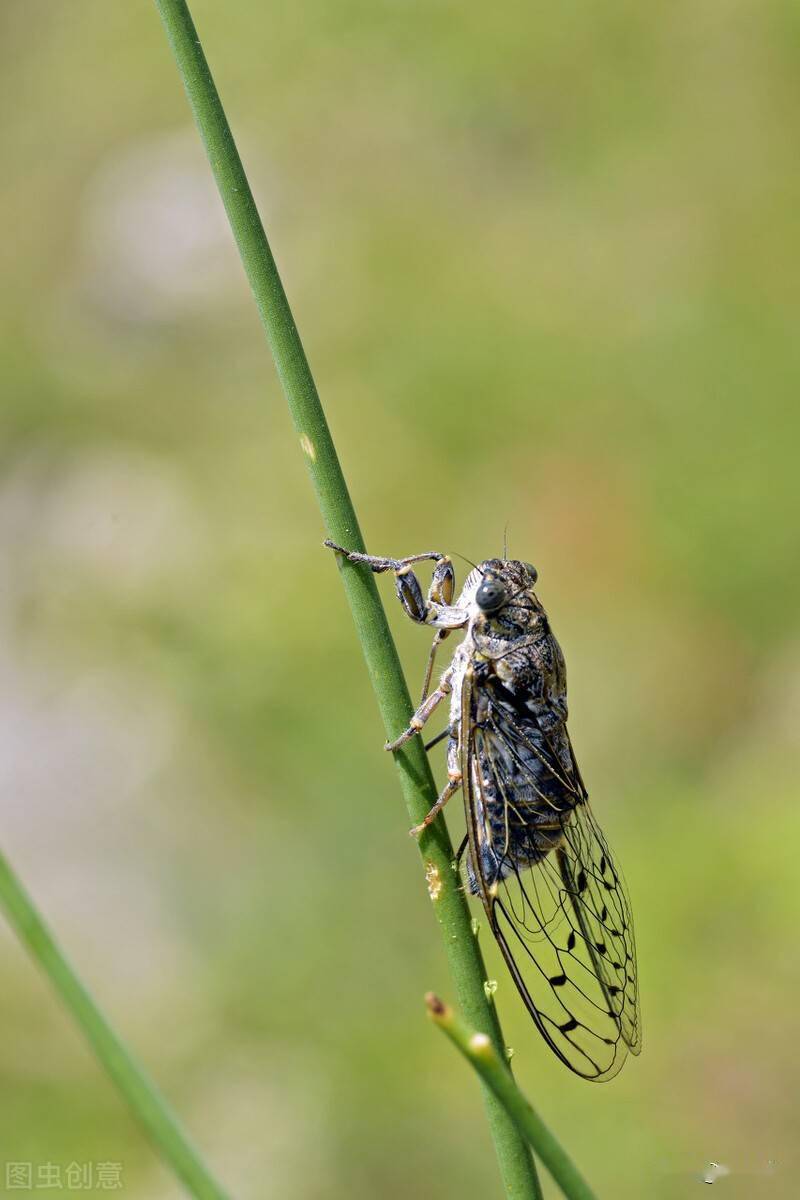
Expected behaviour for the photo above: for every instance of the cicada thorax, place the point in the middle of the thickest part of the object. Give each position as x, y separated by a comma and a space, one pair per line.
525, 779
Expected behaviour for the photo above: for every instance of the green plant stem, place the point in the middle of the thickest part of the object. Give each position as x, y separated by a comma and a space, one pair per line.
148, 1105
483, 1056
516, 1162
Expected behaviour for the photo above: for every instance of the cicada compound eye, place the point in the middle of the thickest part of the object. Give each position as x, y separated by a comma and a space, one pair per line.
490, 596
531, 569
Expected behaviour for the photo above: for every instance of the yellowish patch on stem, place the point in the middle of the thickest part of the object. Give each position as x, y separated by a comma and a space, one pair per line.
433, 880
480, 1044
307, 446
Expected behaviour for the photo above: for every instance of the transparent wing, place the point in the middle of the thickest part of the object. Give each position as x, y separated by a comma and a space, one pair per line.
555, 899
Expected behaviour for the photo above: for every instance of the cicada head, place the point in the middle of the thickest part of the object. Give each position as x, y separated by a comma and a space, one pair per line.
504, 595
502, 580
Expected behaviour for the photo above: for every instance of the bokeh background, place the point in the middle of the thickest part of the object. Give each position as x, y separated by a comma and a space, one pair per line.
545, 262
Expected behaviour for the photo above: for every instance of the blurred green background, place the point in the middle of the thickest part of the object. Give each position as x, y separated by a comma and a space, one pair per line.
545, 262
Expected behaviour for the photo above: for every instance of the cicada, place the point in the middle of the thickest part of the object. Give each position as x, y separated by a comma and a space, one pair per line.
553, 895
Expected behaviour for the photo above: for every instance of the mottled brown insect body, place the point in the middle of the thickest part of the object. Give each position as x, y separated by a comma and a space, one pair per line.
514, 673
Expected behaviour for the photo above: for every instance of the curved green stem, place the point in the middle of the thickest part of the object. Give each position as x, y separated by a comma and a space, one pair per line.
150, 1108
516, 1162
483, 1056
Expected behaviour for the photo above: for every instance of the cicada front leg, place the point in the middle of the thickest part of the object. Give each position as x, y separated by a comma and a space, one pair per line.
434, 609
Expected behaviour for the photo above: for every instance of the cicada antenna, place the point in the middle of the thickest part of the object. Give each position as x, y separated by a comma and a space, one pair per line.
467, 560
